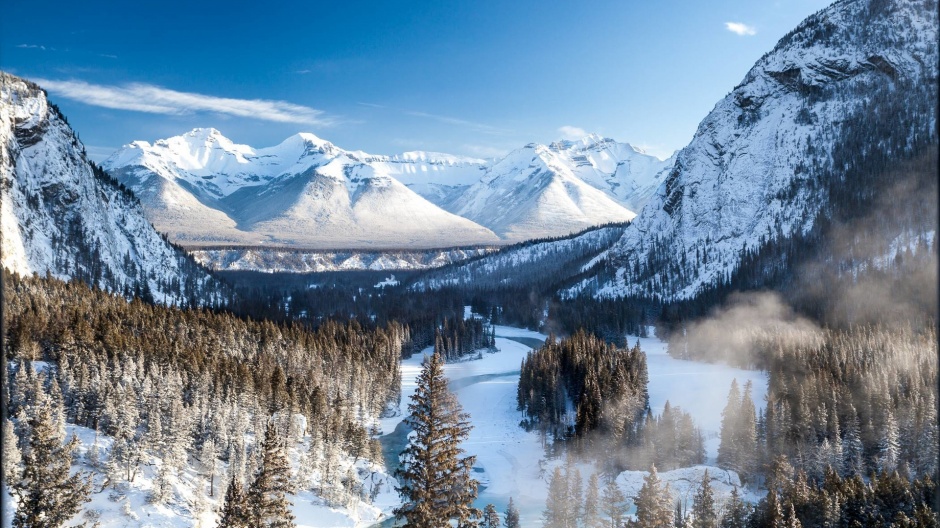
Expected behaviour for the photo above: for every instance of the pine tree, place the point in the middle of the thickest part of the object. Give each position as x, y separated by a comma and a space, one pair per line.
746, 433
653, 503
727, 449
889, 445
792, 521
703, 506
575, 495
612, 504
11, 453
590, 516
47, 494
512, 515
269, 506
235, 512
490, 517
558, 503
853, 451
679, 520
436, 482
162, 490
736, 512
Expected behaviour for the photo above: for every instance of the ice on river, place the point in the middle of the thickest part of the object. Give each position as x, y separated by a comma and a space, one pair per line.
511, 461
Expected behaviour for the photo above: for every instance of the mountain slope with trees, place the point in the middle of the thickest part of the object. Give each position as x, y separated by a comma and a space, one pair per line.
63, 216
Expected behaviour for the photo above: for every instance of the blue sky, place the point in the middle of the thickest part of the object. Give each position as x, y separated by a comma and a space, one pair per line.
477, 78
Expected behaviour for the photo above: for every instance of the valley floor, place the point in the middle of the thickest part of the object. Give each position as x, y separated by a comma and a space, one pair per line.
512, 462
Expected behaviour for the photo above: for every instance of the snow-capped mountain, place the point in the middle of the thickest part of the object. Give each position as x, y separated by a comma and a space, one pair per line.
764, 162
63, 216
202, 189
550, 190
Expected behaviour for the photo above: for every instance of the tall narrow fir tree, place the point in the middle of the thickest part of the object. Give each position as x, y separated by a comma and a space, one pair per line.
435, 480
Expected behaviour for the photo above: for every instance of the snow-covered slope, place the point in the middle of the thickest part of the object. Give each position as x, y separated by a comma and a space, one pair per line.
60, 215
202, 189
526, 263
551, 190
751, 173
271, 260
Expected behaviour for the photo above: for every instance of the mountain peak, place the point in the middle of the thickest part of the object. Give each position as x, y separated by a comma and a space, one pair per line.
204, 133
584, 142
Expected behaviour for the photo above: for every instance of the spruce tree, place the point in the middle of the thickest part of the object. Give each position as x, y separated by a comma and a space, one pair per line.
590, 515
47, 495
612, 504
512, 515
490, 517
11, 453
267, 499
235, 512
558, 503
575, 495
746, 433
727, 449
436, 481
703, 506
736, 512
653, 503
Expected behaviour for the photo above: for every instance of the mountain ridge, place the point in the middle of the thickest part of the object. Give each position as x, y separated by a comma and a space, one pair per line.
307, 193
762, 165
63, 216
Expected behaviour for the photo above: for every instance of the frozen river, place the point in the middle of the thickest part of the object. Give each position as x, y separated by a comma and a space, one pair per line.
511, 461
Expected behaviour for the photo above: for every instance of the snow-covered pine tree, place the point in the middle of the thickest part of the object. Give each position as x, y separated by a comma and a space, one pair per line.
490, 517
575, 494
267, 496
235, 508
512, 515
736, 511
558, 503
612, 504
653, 503
703, 505
436, 481
47, 495
746, 433
889, 445
727, 450
11, 453
590, 515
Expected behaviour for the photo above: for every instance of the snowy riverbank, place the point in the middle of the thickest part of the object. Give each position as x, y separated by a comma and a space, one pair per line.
511, 461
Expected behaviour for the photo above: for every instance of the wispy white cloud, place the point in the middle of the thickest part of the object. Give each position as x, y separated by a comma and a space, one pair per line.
571, 132
739, 28
478, 127
33, 46
158, 100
